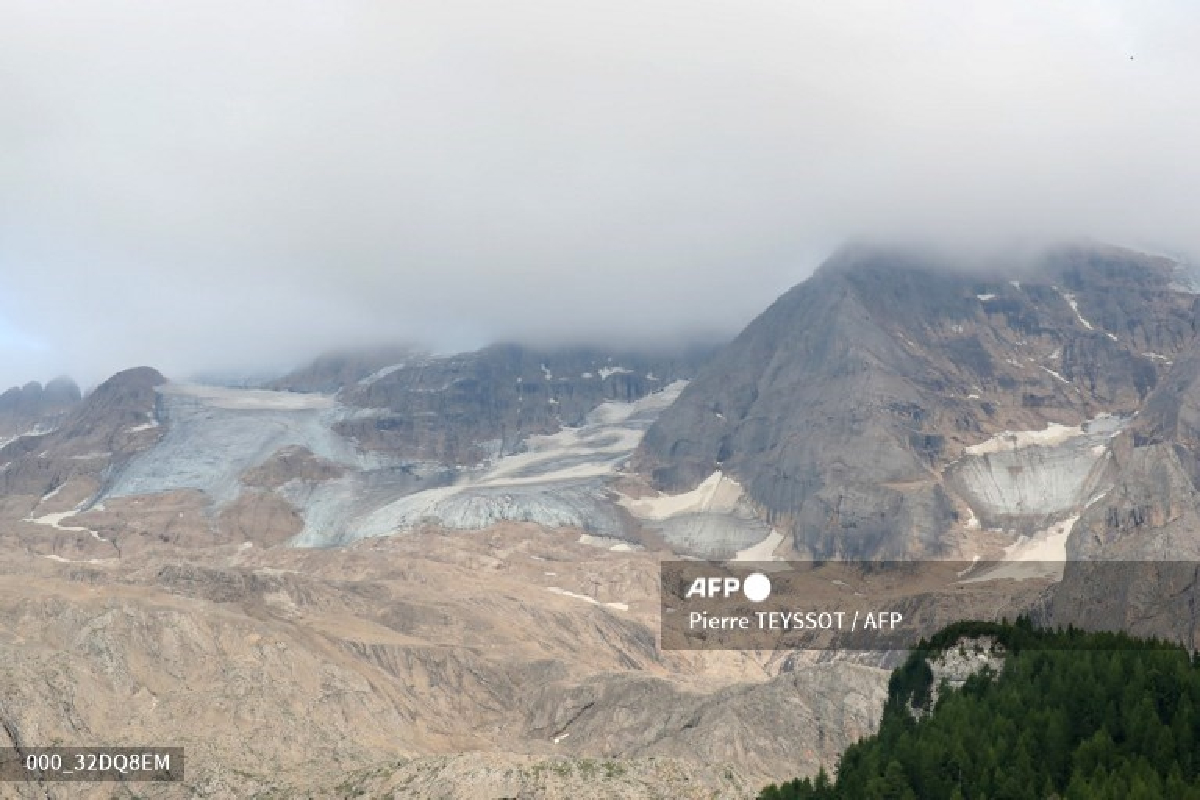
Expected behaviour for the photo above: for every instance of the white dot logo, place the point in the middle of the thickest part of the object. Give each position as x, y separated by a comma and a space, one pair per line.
757, 587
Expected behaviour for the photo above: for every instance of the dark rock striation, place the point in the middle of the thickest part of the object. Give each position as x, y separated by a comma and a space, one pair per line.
108, 426
841, 405
462, 409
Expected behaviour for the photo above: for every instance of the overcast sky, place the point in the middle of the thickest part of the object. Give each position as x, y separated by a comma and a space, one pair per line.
195, 185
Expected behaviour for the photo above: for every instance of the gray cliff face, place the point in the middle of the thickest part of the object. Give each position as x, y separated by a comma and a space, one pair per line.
466, 408
33, 407
1148, 521
1153, 508
107, 427
841, 407
330, 372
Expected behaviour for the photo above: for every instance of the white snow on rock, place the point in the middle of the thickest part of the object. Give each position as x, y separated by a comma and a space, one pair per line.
764, 550
557, 481
1070, 298
55, 521
1056, 375
1039, 556
1052, 434
36, 430
606, 371
607, 543
587, 598
380, 373
715, 493
711, 521
247, 399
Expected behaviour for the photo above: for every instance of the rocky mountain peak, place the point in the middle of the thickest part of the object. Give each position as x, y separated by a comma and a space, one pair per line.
841, 407
33, 400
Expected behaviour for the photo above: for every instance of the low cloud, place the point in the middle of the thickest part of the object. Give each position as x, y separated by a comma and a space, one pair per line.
214, 185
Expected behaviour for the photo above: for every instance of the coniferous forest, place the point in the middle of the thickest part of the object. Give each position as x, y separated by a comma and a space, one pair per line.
1072, 715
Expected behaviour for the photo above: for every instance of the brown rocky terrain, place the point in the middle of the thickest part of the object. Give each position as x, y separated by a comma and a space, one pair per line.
385, 666
892, 406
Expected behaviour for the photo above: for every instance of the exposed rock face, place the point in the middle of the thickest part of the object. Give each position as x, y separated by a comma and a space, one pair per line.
1151, 513
841, 406
292, 462
33, 399
333, 371
462, 409
104, 429
33, 408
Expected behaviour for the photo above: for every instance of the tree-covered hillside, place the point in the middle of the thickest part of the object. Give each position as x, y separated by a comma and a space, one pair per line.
1072, 715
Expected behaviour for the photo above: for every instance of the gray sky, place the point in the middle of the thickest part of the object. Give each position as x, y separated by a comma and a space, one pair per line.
207, 184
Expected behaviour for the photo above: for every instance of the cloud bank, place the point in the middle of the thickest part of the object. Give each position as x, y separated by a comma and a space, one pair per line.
212, 185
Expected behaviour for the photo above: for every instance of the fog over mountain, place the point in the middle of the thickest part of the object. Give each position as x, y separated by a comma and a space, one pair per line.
239, 185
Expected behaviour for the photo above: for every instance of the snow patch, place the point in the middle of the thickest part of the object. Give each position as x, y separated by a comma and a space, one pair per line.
1070, 298
607, 371
985, 297
55, 519
764, 550
380, 373
972, 523
556, 481
1056, 375
607, 543
716, 493
1015, 440
1039, 556
588, 599
247, 399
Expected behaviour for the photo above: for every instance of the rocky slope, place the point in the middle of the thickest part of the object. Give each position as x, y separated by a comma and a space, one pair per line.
892, 406
35, 408
463, 409
849, 409
213, 464
289, 672
46, 475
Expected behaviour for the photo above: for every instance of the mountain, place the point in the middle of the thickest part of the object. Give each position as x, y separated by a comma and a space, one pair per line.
64, 463
463, 409
441, 574
32, 408
466, 440
883, 408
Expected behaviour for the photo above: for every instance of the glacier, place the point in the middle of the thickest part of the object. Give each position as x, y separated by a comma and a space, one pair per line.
1025, 480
